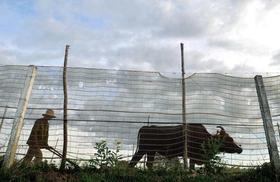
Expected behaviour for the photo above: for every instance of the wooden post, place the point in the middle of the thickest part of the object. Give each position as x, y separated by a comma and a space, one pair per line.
65, 140
278, 130
185, 157
19, 118
145, 157
268, 125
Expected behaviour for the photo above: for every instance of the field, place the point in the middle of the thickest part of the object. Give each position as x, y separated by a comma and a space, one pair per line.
49, 172
107, 166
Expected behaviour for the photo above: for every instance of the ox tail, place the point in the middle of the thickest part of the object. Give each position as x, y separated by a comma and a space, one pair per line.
138, 138
136, 157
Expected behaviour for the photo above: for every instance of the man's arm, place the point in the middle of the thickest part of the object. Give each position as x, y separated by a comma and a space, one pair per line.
45, 134
35, 134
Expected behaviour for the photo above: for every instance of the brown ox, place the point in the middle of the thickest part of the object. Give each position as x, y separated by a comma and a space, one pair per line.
168, 141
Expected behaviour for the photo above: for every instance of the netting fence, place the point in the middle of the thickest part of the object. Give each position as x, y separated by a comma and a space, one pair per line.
113, 105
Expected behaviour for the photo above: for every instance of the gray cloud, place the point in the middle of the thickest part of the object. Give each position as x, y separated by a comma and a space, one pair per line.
243, 68
198, 62
237, 46
11, 56
7, 56
225, 44
142, 35
276, 59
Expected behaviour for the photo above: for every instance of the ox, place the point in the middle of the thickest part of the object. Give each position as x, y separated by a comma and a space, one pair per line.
168, 141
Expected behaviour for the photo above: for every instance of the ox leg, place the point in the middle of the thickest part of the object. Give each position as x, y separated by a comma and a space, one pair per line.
192, 164
150, 159
136, 158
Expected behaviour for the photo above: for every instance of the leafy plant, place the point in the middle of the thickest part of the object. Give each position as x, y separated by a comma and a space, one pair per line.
46, 172
104, 157
212, 160
172, 164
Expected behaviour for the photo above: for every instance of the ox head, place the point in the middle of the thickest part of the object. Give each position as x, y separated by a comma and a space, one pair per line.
228, 144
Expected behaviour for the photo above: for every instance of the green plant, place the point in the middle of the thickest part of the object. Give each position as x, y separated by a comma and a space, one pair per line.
45, 172
161, 162
212, 160
104, 157
5, 175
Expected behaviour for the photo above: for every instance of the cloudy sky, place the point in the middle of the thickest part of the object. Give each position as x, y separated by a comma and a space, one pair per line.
219, 36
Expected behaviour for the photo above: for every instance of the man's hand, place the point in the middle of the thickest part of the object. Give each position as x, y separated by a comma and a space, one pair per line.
47, 147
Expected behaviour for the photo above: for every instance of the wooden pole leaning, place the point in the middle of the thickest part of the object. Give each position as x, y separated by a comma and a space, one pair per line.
268, 125
65, 133
185, 157
19, 118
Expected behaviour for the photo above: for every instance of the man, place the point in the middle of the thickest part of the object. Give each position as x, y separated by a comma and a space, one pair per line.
38, 138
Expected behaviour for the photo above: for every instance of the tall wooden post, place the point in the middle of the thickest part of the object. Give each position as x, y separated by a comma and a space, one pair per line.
65, 140
185, 157
278, 130
19, 118
268, 125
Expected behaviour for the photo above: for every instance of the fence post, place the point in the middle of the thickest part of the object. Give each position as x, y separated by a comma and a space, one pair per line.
185, 157
65, 130
20, 114
268, 125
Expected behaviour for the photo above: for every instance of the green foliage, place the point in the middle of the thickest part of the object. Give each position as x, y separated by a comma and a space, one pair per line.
25, 172
104, 157
212, 161
48, 172
162, 162
106, 166
264, 173
5, 175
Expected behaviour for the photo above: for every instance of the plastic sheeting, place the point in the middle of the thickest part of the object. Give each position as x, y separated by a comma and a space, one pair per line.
112, 105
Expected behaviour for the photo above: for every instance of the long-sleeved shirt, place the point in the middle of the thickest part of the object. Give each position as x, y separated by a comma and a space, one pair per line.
39, 134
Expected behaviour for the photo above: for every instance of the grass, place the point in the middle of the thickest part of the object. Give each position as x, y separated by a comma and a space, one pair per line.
106, 166
49, 172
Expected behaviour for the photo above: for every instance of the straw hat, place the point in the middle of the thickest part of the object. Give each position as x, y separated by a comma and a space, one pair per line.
49, 113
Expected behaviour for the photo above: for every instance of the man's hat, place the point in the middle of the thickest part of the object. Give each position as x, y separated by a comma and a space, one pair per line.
49, 113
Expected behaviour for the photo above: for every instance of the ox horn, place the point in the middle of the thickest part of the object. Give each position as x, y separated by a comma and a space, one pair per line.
221, 128
222, 132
